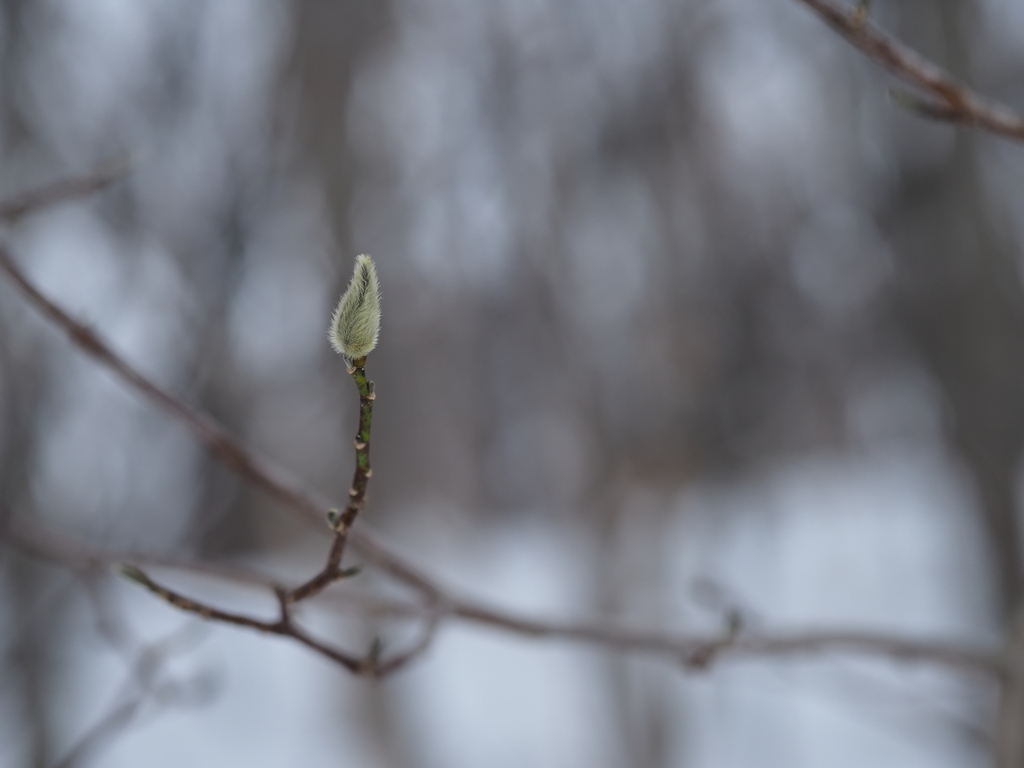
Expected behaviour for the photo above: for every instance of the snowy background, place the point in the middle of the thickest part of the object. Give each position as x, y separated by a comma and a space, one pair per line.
675, 301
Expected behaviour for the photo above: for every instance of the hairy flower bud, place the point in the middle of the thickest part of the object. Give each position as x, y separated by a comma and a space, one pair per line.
356, 320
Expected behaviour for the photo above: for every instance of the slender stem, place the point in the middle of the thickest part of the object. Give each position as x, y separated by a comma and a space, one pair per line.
342, 523
200, 609
363, 472
13, 209
954, 101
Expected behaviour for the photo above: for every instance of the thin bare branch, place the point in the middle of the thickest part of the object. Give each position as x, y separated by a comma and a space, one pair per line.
371, 665
439, 602
687, 648
102, 176
47, 543
949, 99
683, 648
271, 479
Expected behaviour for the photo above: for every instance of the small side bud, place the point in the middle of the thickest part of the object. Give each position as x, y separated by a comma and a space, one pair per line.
356, 320
132, 573
348, 573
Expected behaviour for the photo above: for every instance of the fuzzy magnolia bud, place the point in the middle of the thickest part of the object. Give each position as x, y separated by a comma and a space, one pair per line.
356, 320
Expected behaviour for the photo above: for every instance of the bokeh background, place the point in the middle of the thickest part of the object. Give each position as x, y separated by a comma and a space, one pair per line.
681, 317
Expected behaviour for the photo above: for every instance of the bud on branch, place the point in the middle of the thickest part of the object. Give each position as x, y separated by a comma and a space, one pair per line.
356, 320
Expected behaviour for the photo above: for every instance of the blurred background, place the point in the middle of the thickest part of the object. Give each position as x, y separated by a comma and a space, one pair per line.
680, 316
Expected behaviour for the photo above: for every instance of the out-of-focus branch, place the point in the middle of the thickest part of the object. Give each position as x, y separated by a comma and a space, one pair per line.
64, 189
271, 479
148, 683
947, 99
699, 651
694, 651
438, 602
47, 543
108, 728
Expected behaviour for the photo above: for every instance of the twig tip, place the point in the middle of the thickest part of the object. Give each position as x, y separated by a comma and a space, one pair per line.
355, 324
131, 573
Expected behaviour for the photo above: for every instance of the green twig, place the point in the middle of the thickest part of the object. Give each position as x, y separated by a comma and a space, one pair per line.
342, 522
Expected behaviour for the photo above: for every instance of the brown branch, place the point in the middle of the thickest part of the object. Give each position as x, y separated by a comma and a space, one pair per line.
269, 478
687, 648
953, 101
371, 666
63, 189
684, 648
691, 650
439, 602
330, 573
49, 544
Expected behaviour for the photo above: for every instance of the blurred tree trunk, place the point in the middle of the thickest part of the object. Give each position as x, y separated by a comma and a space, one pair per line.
27, 658
960, 302
26, 640
330, 41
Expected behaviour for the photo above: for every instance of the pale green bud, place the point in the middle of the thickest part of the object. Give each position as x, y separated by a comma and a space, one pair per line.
356, 320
